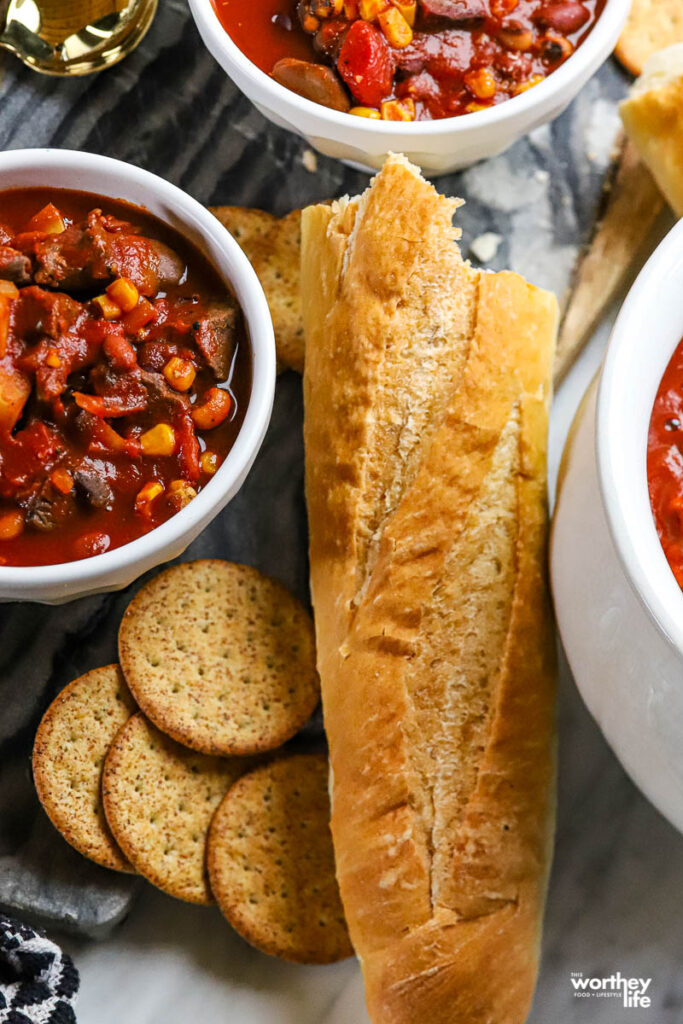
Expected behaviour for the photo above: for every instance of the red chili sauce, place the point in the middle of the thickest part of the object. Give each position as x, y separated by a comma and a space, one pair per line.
665, 462
407, 60
124, 374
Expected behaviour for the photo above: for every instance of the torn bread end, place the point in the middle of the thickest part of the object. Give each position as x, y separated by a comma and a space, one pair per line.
662, 68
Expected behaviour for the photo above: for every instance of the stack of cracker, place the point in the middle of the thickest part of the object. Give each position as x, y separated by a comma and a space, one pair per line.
168, 764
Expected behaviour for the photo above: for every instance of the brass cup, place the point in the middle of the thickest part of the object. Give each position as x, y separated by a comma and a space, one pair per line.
75, 37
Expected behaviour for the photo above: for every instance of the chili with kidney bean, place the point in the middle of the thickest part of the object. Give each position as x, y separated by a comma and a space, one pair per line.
124, 374
407, 60
665, 462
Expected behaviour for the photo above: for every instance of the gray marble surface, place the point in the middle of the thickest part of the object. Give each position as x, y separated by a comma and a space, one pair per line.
616, 899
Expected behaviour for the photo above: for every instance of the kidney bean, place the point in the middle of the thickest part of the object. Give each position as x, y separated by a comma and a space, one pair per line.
564, 16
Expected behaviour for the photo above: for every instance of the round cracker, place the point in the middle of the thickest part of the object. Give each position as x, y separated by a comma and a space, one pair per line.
68, 754
271, 862
651, 26
159, 798
220, 657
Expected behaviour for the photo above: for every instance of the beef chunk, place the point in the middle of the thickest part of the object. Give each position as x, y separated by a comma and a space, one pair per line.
92, 489
215, 336
124, 392
70, 260
40, 312
82, 258
454, 12
431, 51
149, 264
176, 406
47, 508
14, 266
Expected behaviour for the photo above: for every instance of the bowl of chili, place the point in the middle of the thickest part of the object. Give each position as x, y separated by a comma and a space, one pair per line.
618, 536
137, 372
447, 82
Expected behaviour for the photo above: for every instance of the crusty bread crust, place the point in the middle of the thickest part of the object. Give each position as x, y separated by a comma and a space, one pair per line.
652, 115
427, 387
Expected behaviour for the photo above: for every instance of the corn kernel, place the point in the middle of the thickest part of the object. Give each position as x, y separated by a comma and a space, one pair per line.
310, 24
62, 480
408, 9
472, 108
180, 373
208, 462
110, 310
124, 293
11, 525
159, 440
396, 29
398, 110
53, 359
147, 494
481, 83
366, 112
9, 290
351, 11
529, 84
180, 493
371, 9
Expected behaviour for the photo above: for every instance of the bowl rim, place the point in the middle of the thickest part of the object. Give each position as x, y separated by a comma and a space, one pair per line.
595, 47
622, 462
230, 474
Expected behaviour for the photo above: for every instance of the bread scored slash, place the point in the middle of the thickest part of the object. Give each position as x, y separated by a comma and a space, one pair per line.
427, 386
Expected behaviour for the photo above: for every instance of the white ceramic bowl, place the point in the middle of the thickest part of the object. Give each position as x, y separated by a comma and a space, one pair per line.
436, 146
117, 568
619, 607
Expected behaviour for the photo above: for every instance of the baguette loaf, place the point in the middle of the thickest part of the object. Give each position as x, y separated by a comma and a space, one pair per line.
652, 115
427, 387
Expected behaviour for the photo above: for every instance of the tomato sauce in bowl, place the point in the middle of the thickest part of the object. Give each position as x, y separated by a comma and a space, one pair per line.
408, 60
125, 374
665, 462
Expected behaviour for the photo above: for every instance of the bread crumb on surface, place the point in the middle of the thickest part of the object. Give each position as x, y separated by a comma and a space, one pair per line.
485, 247
309, 160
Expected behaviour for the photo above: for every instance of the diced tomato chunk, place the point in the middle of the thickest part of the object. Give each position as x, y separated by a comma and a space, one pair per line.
143, 314
188, 449
41, 441
104, 438
120, 352
366, 65
108, 407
